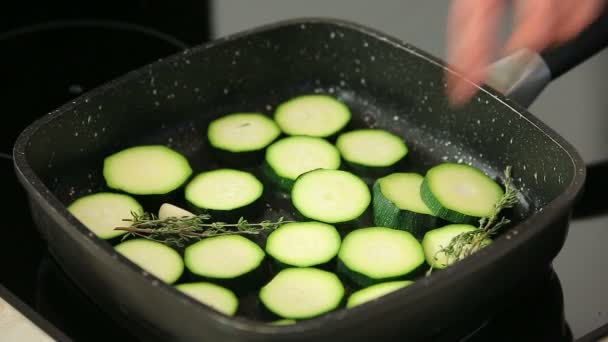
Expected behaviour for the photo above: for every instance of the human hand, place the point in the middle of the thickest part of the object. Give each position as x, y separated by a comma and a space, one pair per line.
472, 33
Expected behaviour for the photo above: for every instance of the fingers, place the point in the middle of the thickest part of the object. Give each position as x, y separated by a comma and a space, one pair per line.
544, 23
575, 16
471, 37
539, 24
535, 24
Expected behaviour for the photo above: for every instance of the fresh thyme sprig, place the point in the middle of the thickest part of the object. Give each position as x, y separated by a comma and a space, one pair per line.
180, 230
467, 243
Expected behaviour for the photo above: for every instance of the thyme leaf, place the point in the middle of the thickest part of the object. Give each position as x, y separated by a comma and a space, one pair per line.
179, 231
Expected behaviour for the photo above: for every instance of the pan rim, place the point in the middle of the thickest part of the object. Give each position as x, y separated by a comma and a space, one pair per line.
530, 226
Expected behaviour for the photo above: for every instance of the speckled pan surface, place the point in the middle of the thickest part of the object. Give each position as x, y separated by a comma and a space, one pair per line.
386, 83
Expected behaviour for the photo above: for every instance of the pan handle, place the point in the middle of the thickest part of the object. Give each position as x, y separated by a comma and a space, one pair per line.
523, 75
576, 51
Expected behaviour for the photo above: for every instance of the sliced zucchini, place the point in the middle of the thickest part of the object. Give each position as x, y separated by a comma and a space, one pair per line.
303, 244
397, 204
288, 158
437, 239
283, 322
168, 210
242, 132
217, 297
102, 212
330, 196
301, 293
315, 115
371, 151
224, 192
460, 193
375, 291
377, 254
146, 170
223, 257
154, 257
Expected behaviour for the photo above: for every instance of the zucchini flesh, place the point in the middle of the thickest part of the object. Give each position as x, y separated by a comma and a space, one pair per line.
302, 293
146, 170
102, 212
330, 196
397, 204
223, 189
303, 244
315, 115
371, 148
437, 239
375, 291
154, 257
291, 157
217, 297
223, 257
377, 254
460, 193
242, 132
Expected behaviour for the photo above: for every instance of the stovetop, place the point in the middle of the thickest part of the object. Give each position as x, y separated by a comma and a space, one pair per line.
536, 311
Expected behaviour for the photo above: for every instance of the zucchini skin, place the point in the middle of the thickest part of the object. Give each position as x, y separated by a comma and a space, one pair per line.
386, 214
373, 171
270, 316
154, 201
284, 184
360, 280
249, 212
344, 227
440, 211
267, 314
239, 159
276, 265
242, 284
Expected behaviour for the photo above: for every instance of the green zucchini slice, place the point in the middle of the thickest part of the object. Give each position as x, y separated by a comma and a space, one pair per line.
397, 204
226, 193
102, 212
290, 157
436, 240
303, 244
154, 257
377, 254
146, 170
223, 257
242, 132
330, 196
373, 292
371, 151
460, 193
302, 293
217, 297
315, 115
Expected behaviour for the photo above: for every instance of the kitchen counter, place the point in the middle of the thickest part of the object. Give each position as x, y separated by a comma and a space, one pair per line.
19, 323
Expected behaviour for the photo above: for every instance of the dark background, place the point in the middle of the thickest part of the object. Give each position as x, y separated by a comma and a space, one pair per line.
51, 52
54, 50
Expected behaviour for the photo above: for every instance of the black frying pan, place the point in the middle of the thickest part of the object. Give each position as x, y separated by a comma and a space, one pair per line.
387, 84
